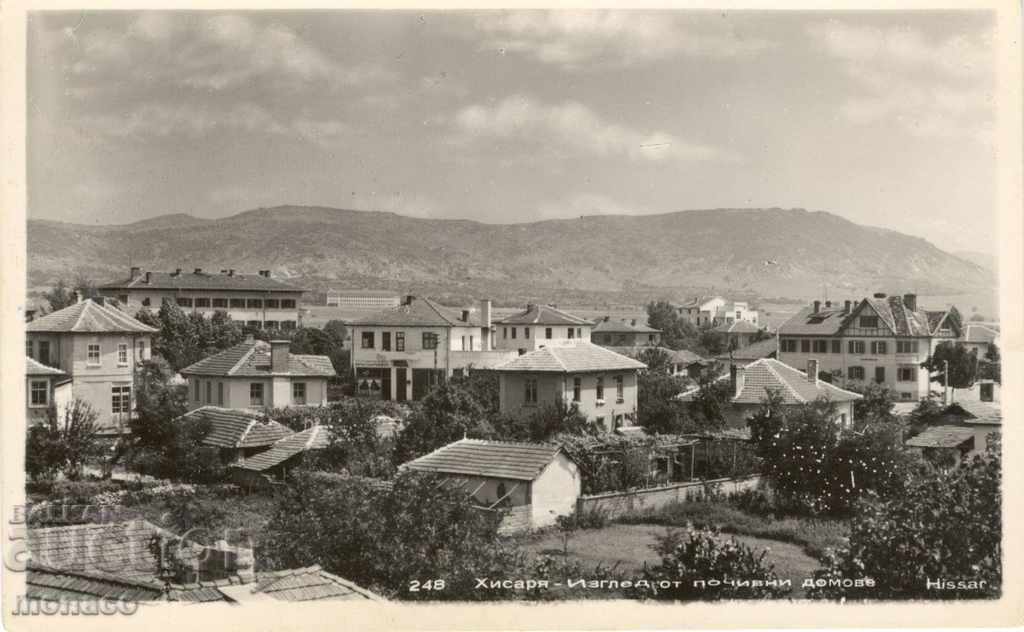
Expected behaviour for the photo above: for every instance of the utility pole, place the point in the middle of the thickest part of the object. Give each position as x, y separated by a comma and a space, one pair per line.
945, 382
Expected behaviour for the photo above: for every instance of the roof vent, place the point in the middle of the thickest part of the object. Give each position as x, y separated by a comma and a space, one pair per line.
135, 272
817, 307
879, 294
148, 276
177, 272
465, 315
265, 273
231, 272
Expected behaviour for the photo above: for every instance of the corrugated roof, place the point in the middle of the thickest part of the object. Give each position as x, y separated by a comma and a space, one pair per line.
581, 357
493, 459
238, 428
203, 281
309, 584
34, 368
611, 326
312, 438
88, 317
421, 312
252, 359
941, 437
542, 315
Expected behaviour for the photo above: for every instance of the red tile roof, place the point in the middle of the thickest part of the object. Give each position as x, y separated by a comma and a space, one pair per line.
542, 315
238, 428
581, 357
35, 368
313, 438
88, 317
252, 359
421, 312
203, 281
492, 459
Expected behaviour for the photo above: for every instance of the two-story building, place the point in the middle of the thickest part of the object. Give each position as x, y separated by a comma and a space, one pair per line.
258, 374
602, 383
401, 353
256, 300
363, 299
881, 339
45, 386
713, 311
738, 333
624, 333
540, 326
98, 346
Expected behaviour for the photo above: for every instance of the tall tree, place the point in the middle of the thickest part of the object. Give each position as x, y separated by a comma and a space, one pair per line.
960, 362
990, 366
63, 443
658, 407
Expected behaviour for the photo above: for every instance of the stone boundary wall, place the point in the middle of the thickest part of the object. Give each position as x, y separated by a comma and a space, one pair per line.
616, 504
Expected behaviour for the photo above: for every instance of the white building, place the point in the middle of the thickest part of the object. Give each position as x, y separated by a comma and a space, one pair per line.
540, 326
363, 299
713, 311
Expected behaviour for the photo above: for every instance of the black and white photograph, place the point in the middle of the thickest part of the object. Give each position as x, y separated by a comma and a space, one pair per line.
359, 308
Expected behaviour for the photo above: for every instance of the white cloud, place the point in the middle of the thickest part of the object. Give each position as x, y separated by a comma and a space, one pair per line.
929, 88
571, 126
573, 39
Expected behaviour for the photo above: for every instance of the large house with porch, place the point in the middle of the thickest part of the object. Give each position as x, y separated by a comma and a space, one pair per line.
97, 347
401, 353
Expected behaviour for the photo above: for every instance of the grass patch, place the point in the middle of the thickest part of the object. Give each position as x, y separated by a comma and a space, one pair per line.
814, 535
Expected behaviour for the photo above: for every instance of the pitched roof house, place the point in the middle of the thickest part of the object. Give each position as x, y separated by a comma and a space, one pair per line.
540, 326
258, 374
274, 462
534, 483
624, 333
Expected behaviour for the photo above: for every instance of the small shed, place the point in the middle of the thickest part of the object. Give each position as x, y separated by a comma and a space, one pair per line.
534, 483
956, 441
274, 463
238, 434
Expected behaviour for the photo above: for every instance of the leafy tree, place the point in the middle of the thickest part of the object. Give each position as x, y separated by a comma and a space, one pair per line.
676, 332
63, 442
962, 363
928, 412
944, 525
184, 339
547, 421
448, 413
60, 296
707, 407
657, 360
658, 407
384, 539
877, 402
714, 342
699, 555
483, 386
990, 366
159, 401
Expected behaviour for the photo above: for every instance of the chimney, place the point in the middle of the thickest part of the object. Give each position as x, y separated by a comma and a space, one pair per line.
408, 300
231, 272
812, 371
828, 303
736, 379
265, 273
197, 271
910, 302
136, 270
879, 295
632, 322
847, 307
148, 276
817, 307
279, 356
78, 297
223, 270
465, 315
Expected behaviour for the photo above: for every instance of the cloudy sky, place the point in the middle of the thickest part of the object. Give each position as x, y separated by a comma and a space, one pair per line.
885, 119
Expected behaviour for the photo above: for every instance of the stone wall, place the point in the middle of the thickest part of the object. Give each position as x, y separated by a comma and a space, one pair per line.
620, 503
515, 520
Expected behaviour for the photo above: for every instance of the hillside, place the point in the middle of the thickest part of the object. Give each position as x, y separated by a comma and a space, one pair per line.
766, 253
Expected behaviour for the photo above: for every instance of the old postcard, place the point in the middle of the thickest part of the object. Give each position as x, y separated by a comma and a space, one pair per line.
440, 317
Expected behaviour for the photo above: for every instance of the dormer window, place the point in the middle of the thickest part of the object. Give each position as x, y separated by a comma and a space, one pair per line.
869, 322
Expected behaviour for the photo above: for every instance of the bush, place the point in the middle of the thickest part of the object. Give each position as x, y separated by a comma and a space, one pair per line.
596, 518
63, 443
700, 555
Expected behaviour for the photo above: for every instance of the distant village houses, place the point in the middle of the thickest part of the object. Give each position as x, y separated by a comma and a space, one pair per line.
624, 333
255, 300
713, 311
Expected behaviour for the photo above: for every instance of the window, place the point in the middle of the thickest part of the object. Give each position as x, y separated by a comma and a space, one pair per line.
202, 302
430, 339
571, 333
856, 346
121, 399
270, 324
526, 333
856, 372
184, 302
142, 349
879, 347
273, 303
788, 345
531, 392
986, 392
879, 374
287, 303
905, 395
28, 348
463, 343
195, 389
821, 346
238, 303
122, 354
805, 346
869, 322
256, 394
399, 341
600, 390
837, 346
93, 355
385, 341
547, 333
209, 392
145, 302
504, 332
220, 302
513, 333
906, 374
253, 303
39, 392
288, 325
471, 343
906, 346
298, 392
220, 393
620, 390
123, 298
579, 332
252, 324
367, 340
165, 300
577, 388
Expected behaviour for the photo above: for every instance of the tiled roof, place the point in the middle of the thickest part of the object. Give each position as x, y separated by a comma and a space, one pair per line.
686, 357
941, 437
755, 351
309, 584
980, 334
420, 312
33, 368
738, 327
577, 358
237, 428
312, 438
611, 326
54, 584
252, 359
825, 322
493, 459
891, 310
980, 413
542, 315
88, 317
203, 281
768, 374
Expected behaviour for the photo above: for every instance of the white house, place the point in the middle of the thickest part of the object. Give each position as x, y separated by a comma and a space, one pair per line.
45, 386
540, 326
713, 311
533, 483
